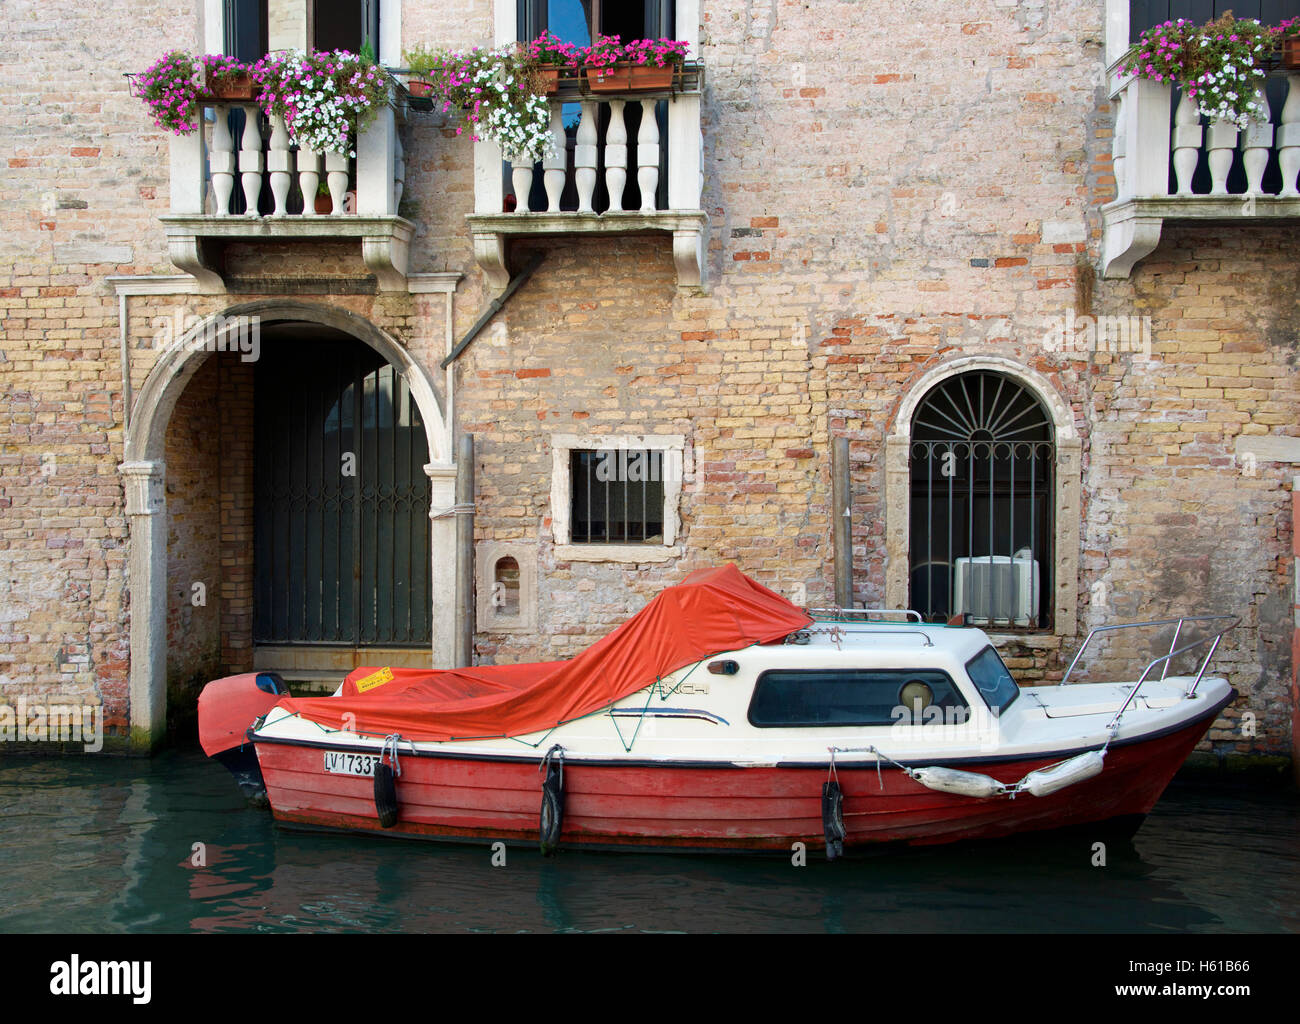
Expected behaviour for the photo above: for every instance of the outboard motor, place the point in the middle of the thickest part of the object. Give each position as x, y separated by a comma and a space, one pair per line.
227, 708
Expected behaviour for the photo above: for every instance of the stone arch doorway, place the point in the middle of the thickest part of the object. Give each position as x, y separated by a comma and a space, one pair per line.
145, 476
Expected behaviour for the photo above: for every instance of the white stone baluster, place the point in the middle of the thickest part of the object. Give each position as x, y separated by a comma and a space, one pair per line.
308, 179
647, 156
1119, 144
336, 175
279, 162
584, 157
1256, 145
553, 165
399, 170
1188, 135
1288, 138
251, 159
616, 154
1222, 145
521, 176
221, 161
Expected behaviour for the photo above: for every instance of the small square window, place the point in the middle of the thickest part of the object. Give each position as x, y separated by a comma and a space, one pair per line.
616, 498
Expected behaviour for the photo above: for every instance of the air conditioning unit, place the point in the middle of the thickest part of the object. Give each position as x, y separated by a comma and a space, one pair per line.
997, 589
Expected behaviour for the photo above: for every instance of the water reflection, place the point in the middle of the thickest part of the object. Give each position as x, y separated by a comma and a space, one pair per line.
102, 845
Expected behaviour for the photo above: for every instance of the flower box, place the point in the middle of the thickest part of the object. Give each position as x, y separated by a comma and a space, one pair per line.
1291, 53
239, 86
629, 78
549, 79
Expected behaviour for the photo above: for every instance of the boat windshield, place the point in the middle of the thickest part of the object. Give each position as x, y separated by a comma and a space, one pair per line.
992, 680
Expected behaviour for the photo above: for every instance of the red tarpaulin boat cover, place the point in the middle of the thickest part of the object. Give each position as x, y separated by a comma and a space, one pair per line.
711, 611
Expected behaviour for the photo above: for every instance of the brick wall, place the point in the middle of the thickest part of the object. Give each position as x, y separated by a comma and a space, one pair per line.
194, 585
871, 215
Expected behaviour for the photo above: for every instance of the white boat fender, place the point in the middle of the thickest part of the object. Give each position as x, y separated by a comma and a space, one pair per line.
1046, 781
552, 815
386, 785
833, 818
951, 780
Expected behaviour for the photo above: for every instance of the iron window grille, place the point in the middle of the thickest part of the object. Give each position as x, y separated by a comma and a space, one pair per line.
982, 460
617, 496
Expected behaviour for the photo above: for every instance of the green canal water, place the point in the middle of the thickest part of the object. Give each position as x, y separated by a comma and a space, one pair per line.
105, 845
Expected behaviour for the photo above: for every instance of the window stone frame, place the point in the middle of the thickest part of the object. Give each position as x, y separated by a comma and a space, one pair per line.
562, 445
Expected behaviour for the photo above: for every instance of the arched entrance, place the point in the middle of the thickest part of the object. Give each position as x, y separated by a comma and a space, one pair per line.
144, 473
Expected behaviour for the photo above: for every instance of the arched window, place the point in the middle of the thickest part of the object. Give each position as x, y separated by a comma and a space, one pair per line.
982, 524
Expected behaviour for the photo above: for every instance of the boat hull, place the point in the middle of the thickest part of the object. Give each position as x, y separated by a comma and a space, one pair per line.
711, 806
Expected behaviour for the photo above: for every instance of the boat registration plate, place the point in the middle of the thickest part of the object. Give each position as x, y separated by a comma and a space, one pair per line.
342, 763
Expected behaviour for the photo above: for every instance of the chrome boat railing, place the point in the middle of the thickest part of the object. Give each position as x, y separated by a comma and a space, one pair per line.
831, 614
1212, 638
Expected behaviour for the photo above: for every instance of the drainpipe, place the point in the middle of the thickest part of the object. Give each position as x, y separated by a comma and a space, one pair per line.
464, 654
841, 522
1295, 631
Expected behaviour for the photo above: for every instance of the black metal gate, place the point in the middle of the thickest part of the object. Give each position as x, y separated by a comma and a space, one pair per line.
341, 500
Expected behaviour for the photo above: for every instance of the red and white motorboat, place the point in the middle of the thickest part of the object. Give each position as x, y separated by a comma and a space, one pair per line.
723, 717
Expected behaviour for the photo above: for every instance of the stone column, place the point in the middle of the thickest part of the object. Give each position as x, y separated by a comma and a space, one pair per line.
1069, 504
146, 512
898, 493
442, 573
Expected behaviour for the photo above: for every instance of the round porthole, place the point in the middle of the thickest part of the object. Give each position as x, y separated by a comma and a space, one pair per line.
916, 696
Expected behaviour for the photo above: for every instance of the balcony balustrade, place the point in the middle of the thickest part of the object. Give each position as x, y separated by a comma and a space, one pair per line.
239, 185
1219, 173
622, 164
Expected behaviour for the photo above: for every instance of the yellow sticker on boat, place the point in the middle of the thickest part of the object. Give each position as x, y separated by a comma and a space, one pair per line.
384, 675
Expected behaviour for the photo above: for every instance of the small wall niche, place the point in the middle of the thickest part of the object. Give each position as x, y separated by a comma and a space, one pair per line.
507, 588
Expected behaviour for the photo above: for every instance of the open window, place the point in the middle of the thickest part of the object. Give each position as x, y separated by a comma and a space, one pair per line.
351, 25
580, 21
246, 31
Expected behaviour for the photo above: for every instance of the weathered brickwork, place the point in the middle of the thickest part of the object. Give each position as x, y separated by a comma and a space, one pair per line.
872, 216
194, 531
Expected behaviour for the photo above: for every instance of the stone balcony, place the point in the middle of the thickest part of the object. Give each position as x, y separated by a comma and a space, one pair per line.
1169, 165
226, 189
623, 165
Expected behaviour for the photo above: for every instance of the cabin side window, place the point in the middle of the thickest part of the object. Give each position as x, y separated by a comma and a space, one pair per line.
856, 697
992, 680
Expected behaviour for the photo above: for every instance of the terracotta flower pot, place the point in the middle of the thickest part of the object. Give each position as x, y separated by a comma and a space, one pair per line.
1291, 53
324, 204
629, 78
419, 87
234, 87
550, 79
